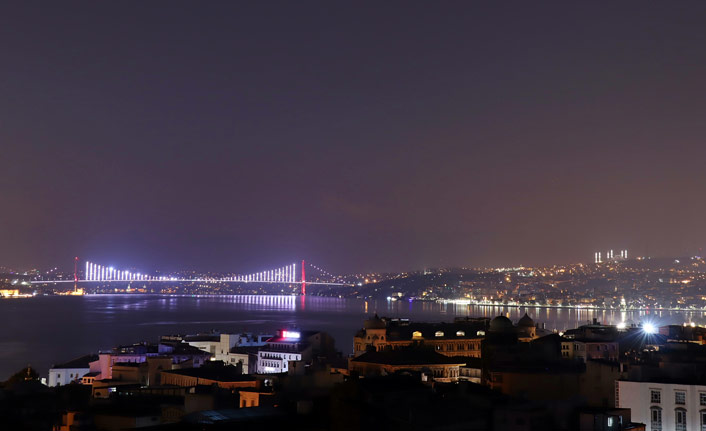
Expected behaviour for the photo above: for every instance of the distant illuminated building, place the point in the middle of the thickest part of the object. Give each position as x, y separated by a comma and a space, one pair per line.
610, 256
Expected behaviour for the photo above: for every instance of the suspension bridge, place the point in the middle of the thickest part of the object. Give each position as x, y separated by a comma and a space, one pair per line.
288, 274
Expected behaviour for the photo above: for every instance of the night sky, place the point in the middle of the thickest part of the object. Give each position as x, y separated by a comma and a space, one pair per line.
366, 136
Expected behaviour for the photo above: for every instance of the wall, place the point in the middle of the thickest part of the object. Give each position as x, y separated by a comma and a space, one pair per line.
64, 376
637, 397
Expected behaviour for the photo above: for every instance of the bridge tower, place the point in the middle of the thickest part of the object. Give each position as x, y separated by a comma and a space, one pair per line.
303, 278
75, 273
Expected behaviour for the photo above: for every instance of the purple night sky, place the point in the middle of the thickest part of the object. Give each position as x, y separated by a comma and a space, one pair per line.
363, 136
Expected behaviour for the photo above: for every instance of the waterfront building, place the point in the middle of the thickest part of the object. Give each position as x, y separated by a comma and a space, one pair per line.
71, 371
292, 346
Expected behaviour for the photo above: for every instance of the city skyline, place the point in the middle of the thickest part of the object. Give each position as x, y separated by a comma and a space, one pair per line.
382, 137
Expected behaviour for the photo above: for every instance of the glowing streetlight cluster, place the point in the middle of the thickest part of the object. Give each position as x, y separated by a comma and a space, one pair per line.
649, 328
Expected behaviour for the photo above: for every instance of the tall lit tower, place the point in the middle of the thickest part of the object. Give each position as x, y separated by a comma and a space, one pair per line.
75, 273
303, 278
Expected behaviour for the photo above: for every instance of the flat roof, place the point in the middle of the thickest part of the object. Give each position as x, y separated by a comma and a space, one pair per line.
216, 373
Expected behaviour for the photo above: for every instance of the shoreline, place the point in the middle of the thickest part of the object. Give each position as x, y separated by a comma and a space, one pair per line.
571, 307
456, 302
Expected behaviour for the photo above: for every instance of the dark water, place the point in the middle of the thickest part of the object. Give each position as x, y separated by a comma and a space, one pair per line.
45, 330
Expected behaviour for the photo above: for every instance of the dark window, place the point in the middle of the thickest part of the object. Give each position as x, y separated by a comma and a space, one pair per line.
656, 418
680, 419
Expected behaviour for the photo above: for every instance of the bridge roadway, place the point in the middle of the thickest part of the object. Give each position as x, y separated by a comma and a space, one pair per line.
190, 280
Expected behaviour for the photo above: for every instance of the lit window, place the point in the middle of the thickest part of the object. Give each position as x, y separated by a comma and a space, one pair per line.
460, 334
439, 334
416, 334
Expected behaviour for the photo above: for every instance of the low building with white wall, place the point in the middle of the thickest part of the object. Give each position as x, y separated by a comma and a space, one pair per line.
72, 371
222, 346
664, 406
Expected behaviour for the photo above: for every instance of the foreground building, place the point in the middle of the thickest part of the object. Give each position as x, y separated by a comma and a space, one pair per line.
592, 341
178, 353
72, 371
664, 406
462, 337
223, 377
432, 365
292, 346
665, 387
221, 344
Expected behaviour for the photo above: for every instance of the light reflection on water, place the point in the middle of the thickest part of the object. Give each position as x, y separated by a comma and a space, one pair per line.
46, 330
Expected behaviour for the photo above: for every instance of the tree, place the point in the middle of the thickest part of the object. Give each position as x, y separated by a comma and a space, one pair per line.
24, 375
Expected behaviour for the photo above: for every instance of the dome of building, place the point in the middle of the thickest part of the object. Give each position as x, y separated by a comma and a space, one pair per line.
501, 324
525, 321
374, 323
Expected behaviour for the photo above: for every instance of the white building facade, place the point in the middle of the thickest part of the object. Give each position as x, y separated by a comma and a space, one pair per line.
217, 347
221, 348
288, 346
273, 361
72, 371
664, 406
64, 376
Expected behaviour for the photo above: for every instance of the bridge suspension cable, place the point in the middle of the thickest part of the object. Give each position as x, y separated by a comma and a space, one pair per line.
97, 273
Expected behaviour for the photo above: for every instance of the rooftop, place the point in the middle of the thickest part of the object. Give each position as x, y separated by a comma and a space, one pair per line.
456, 330
411, 356
214, 372
82, 362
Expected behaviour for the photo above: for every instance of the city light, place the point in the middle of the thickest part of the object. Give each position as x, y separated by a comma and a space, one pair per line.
621, 326
649, 328
291, 334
